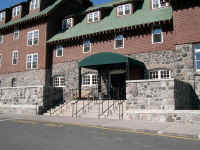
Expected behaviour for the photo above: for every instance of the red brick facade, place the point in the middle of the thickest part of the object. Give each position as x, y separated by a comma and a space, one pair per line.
20, 44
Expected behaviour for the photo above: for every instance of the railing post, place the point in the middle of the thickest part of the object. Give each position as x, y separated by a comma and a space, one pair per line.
36, 109
72, 110
108, 107
122, 110
76, 110
83, 106
119, 112
102, 106
99, 110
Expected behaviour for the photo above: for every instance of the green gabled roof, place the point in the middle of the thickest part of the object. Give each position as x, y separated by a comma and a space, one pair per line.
36, 15
143, 15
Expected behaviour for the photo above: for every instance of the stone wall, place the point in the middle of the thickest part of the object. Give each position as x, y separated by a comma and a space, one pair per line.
150, 94
180, 116
28, 100
161, 95
29, 78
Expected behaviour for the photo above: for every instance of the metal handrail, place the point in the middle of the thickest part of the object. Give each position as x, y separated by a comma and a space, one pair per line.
77, 111
107, 109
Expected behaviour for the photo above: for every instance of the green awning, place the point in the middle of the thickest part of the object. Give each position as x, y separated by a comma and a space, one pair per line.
107, 58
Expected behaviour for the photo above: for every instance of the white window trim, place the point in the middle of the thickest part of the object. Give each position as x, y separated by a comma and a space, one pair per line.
15, 10
91, 84
162, 38
35, 7
67, 20
159, 74
1, 42
124, 9
13, 56
196, 51
1, 60
32, 61
167, 4
92, 13
33, 31
57, 51
59, 81
2, 16
14, 35
84, 47
115, 43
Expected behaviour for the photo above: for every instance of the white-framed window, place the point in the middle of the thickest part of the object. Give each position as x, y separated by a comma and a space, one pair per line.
124, 9
59, 51
16, 35
2, 16
14, 82
197, 57
93, 17
89, 79
157, 35
16, 11
160, 74
32, 61
59, 81
1, 58
34, 4
1, 39
33, 37
67, 23
160, 3
15, 56
119, 41
86, 46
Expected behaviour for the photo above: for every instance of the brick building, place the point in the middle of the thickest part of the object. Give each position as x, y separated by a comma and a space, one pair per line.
145, 51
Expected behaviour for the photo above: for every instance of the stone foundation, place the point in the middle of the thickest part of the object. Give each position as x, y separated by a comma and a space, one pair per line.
28, 100
161, 95
29, 78
180, 116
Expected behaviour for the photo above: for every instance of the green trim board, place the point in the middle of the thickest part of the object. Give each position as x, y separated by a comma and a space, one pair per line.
36, 15
107, 58
143, 15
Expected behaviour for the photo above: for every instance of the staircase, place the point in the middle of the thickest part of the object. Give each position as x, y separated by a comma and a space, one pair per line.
101, 109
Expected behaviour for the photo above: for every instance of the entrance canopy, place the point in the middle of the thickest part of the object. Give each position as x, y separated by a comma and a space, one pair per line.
107, 58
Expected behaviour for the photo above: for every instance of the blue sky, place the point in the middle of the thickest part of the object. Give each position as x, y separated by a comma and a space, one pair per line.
8, 3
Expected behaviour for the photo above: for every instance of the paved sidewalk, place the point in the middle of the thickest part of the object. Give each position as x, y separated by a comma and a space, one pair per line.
176, 130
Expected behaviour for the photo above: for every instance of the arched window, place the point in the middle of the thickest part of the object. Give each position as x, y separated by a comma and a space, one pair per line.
160, 74
14, 82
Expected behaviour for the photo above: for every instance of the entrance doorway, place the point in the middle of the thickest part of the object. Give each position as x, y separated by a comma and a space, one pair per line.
118, 86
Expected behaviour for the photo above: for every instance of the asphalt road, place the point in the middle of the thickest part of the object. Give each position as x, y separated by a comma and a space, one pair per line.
30, 135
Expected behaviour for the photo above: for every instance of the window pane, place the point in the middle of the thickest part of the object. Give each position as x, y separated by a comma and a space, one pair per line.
119, 43
198, 65
155, 3
197, 56
156, 38
86, 46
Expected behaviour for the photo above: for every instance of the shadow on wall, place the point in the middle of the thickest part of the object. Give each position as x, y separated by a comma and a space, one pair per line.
185, 96
52, 97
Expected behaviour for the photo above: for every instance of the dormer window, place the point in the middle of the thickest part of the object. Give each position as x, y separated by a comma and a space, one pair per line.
2, 16
159, 3
93, 17
124, 10
34, 4
16, 11
67, 23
